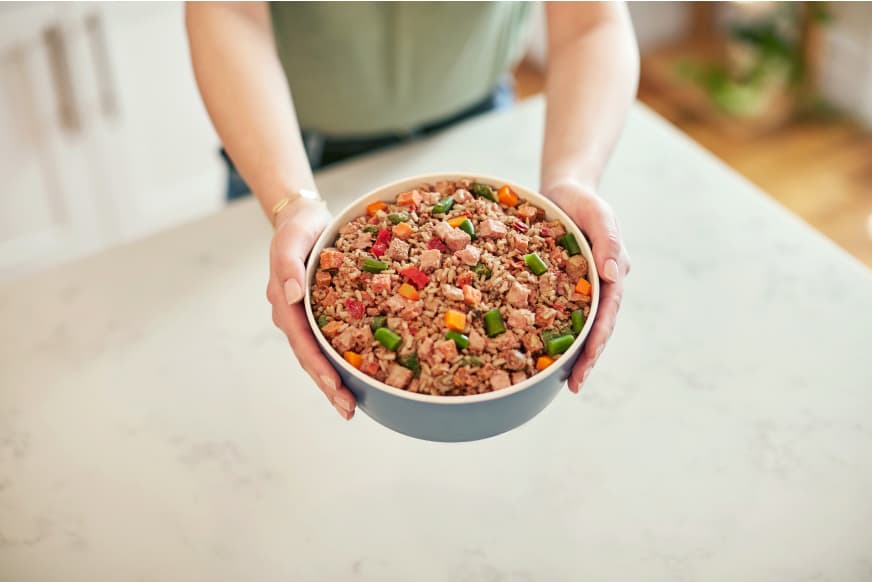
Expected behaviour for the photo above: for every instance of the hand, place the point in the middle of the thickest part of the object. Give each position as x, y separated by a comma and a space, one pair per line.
297, 227
595, 218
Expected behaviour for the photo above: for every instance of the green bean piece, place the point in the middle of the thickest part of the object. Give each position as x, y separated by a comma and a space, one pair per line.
549, 334
388, 339
467, 227
374, 266
460, 340
577, 317
411, 362
493, 323
568, 242
322, 320
535, 264
377, 322
444, 205
484, 191
567, 330
558, 345
370, 228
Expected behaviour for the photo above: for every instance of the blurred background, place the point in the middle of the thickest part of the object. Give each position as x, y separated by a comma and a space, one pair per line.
105, 139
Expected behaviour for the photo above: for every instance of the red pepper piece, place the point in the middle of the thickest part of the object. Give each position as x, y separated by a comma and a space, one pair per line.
384, 237
416, 276
436, 243
380, 246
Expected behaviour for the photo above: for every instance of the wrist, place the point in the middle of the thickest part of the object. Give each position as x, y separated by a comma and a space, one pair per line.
287, 206
565, 189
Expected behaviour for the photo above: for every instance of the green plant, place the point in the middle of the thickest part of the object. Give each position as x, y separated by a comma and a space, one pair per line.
774, 57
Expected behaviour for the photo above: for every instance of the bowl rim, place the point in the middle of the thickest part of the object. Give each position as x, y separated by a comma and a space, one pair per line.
384, 192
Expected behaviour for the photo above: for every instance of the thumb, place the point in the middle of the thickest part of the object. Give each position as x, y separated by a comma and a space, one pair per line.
606, 245
291, 245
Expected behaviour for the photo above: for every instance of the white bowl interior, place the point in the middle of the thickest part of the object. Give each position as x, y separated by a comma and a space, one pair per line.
388, 193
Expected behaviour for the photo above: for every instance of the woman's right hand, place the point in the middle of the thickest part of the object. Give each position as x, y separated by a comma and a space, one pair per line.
297, 227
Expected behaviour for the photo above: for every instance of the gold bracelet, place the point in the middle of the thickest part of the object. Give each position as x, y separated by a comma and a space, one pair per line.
281, 204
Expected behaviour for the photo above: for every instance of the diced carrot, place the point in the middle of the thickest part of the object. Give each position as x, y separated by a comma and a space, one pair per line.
402, 230
331, 329
373, 208
582, 287
455, 320
543, 362
411, 198
353, 358
408, 291
507, 197
457, 220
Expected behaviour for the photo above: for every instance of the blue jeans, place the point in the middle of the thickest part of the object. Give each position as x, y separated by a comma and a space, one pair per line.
323, 151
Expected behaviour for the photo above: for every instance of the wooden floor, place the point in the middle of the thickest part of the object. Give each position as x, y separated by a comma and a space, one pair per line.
820, 170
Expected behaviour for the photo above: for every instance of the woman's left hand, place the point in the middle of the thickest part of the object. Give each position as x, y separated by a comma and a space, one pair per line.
595, 218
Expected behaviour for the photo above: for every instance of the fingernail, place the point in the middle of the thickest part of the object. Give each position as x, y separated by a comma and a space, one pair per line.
343, 413
610, 272
584, 377
344, 402
599, 350
328, 383
293, 292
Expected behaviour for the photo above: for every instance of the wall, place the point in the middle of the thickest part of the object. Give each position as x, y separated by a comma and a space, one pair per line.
846, 67
655, 24
659, 23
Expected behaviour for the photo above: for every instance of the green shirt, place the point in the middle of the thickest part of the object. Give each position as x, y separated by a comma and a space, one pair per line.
367, 68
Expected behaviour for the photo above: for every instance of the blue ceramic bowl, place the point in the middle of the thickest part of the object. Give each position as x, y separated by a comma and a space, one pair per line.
451, 418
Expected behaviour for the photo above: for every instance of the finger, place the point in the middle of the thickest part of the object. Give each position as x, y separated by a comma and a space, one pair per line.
592, 349
289, 264
341, 400
604, 325
274, 294
324, 375
292, 320
624, 262
605, 239
291, 246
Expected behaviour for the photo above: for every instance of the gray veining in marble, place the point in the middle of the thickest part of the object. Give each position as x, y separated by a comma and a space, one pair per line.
154, 427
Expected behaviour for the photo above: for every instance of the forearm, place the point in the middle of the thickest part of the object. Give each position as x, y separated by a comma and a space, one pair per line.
592, 75
247, 97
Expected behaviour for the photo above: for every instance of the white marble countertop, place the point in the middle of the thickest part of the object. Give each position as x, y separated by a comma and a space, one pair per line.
155, 427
